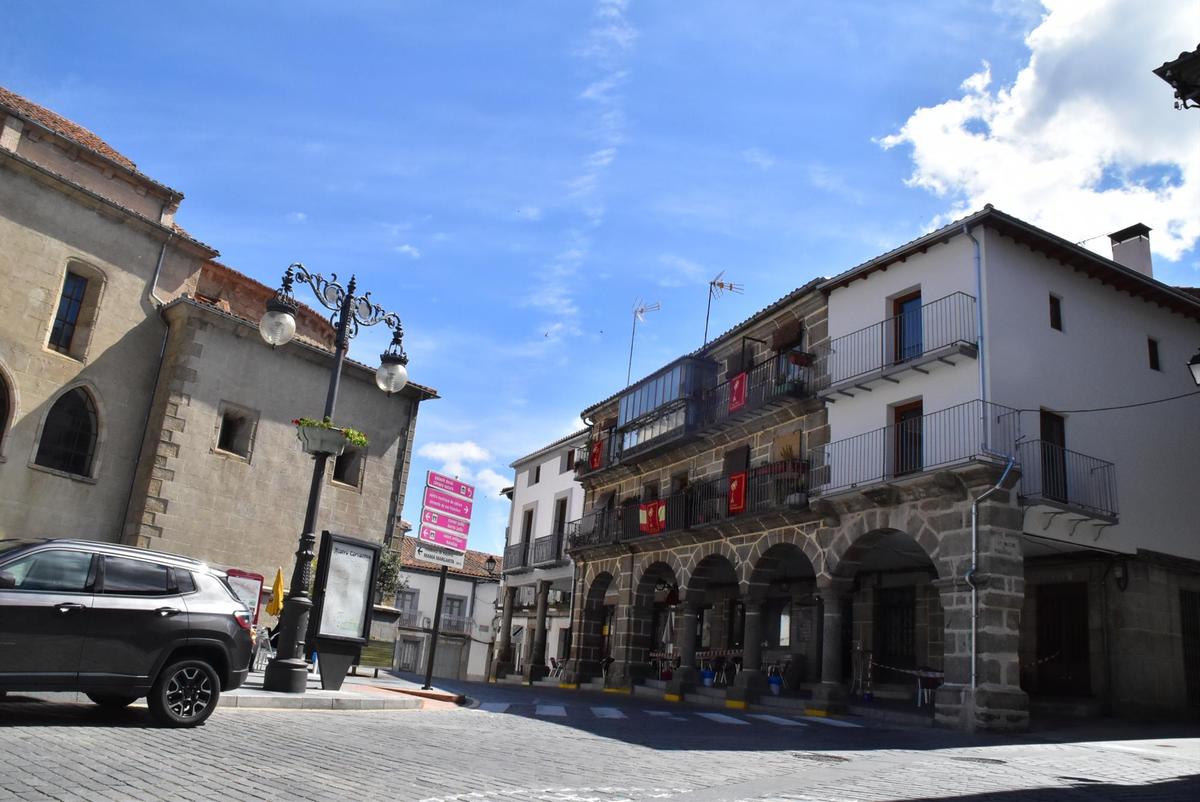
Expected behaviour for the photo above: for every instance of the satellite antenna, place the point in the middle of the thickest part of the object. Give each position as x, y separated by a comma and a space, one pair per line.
715, 288
640, 308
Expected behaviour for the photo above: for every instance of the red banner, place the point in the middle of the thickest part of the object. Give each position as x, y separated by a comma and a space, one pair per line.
652, 517
737, 492
596, 455
737, 392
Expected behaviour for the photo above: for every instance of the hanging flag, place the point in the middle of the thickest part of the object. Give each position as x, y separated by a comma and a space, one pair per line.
596, 455
737, 392
737, 493
652, 517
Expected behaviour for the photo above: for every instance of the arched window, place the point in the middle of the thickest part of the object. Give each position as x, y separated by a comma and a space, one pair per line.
5, 409
69, 434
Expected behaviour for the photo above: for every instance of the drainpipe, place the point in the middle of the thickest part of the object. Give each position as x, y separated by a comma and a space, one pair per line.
980, 351
969, 576
159, 303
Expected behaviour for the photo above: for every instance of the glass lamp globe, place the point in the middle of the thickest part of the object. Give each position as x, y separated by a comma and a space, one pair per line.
277, 326
391, 376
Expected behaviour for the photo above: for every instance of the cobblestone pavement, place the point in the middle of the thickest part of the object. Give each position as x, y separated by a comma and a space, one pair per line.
558, 746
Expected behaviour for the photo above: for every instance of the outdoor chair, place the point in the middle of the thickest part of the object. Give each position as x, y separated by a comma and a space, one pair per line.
555, 668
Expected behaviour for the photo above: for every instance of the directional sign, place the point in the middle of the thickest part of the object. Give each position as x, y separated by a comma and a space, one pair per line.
444, 502
439, 556
449, 522
434, 479
431, 534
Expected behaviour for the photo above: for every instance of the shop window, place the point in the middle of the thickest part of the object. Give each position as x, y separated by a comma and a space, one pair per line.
348, 467
68, 441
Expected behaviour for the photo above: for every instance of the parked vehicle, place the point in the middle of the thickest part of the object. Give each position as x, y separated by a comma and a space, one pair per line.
119, 623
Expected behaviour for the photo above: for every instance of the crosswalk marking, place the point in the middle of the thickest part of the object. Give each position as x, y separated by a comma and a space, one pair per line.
550, 710
721, 718
783, 722
831, 722
607, 712
494, 707
665, 714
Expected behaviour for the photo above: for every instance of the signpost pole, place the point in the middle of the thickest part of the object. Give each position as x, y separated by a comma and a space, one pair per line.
437, 628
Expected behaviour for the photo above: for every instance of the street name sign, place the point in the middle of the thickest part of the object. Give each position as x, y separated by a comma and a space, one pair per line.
438, 501
441, 482
440, 537
439, 555
448, 522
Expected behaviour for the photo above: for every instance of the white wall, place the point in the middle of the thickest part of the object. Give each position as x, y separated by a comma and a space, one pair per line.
555, 480
482, 634
1100, 359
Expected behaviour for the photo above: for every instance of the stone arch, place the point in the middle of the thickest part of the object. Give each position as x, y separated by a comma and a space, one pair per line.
81, 394
655, 594
592, 648
8, 404
783, 561
721, 548
845, 556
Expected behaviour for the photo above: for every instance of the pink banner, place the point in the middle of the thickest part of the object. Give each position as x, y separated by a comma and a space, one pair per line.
443, 538
449, 485
444, 502
456, 525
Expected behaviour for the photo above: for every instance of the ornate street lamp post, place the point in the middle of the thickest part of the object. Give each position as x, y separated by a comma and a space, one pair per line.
288, 671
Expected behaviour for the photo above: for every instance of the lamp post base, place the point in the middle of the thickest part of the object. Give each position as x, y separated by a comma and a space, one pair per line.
286, 676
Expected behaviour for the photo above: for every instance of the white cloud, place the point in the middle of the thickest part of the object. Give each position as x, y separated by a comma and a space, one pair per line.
530, 213
1085, 139
491, 483
759, 158
455, 458
677, 271
296, 217
408, 250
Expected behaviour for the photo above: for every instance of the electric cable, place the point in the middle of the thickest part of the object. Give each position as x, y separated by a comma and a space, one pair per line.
1121, 406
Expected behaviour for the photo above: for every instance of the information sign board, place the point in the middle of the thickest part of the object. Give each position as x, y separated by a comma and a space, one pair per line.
438, 501
448, 522
440, 537
441, 482
439, 556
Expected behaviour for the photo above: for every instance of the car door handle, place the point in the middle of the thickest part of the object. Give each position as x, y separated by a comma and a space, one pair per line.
166, 611
66, 607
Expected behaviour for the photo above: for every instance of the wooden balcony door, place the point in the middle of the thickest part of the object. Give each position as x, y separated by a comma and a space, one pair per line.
908, 438
906, 327
1054, 456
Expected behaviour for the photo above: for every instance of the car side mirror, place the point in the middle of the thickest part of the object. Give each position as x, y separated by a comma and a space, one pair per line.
7, 580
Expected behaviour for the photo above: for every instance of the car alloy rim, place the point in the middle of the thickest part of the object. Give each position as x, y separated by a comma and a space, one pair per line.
189, 693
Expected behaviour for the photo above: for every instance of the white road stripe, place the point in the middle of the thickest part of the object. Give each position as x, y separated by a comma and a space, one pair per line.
667, 714
783, 722
550, 710
494, 707
607, 712
831, 722
721, 718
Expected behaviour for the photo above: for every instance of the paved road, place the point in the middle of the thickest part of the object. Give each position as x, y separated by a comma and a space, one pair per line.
560, 746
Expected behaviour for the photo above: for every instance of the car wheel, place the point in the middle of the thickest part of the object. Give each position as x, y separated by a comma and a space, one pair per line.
185, 693
112, 701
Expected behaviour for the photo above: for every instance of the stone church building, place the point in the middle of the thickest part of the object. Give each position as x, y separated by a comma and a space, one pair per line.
138, 402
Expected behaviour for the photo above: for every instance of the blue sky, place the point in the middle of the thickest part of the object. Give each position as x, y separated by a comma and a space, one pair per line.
510, 177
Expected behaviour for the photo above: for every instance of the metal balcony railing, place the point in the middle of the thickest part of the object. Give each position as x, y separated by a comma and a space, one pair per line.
938, 324
1057, 475
974, 430
590, 459
769, 380
765, 488
515, 556
457, 624
411, 618
547, 549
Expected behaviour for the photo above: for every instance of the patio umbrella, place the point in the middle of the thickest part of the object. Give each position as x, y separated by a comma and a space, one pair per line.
275, 603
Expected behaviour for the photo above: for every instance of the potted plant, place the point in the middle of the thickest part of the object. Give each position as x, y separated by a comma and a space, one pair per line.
322, 437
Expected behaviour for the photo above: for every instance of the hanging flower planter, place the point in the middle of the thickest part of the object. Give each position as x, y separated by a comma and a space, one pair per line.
322, 437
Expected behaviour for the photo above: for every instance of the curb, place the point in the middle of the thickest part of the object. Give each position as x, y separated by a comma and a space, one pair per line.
315, 703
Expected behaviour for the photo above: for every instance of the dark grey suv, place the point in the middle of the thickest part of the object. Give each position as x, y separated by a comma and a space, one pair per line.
119, 623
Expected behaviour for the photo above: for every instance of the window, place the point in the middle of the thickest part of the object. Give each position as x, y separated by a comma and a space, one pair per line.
455, 606
49, 571
1151, 344
184, 581
1056, 313
5, 407
527, 526
68, 441
906, 326
560, 515
348, 467
407, 600
535, 475
69, 306
236, 426
569, 462
125, 577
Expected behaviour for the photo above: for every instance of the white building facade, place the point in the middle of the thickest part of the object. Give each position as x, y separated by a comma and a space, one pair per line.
538, 575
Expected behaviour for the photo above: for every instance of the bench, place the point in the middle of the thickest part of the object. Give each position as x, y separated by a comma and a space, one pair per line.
376, 654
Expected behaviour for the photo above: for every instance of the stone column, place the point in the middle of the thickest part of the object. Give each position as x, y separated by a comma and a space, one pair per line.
830, 695
686, 676
750, 680
535, 667
503, 664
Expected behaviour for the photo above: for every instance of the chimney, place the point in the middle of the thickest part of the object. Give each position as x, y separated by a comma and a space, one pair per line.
1131, 248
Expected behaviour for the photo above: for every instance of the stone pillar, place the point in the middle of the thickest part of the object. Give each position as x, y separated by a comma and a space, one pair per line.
535, 667
750, 680
503, 664
830, 695
622, 635
686, 676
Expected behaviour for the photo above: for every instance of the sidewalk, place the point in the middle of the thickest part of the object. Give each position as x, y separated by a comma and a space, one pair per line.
363, 692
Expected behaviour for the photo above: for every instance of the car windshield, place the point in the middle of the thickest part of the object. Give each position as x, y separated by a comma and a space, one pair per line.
10, 545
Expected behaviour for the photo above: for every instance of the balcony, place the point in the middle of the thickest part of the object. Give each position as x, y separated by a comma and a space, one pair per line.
597, 455
769, 383
412, 618
773, 487
976, 430
457, 624
547, 550
516, 557
1067, 481
941, 332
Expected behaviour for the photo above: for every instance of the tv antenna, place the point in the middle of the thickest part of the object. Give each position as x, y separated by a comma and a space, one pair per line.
640, 308
715, 288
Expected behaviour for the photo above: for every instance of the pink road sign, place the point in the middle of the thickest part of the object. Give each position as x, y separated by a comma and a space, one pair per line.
444, 502
454, 486
456, 525
431, 534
